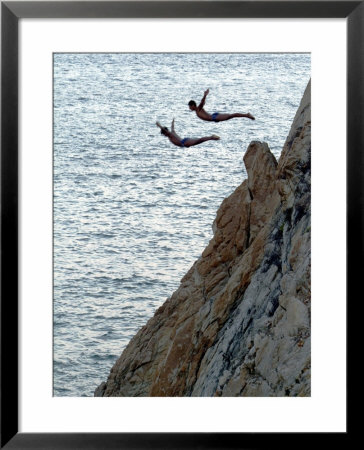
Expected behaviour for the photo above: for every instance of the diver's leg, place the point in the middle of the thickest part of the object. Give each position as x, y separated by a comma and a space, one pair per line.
192, 142
222, 117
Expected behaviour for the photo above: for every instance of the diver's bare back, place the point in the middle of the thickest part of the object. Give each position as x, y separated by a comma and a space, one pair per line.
204, 115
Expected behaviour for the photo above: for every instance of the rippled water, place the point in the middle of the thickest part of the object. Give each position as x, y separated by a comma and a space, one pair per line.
131, 211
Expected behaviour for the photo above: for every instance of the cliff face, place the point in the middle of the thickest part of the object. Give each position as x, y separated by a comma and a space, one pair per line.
239, 324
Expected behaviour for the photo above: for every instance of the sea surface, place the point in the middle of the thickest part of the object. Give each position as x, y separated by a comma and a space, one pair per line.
132, 212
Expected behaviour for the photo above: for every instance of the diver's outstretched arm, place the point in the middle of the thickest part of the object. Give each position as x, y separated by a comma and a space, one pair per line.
202, 103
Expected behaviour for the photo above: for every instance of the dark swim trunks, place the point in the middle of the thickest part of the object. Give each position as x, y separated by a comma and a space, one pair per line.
214, 115
183, 142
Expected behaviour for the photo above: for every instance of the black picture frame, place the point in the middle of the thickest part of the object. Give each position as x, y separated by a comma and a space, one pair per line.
11, 12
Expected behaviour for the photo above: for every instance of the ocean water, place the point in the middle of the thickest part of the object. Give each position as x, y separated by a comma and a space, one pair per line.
132, 212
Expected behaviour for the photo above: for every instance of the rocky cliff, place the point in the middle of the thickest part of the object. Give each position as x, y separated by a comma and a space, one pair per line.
239, 323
